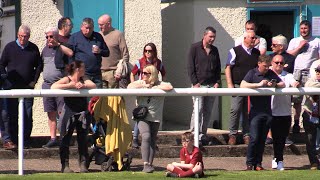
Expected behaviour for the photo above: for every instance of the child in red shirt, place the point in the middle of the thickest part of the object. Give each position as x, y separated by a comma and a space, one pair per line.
191, 164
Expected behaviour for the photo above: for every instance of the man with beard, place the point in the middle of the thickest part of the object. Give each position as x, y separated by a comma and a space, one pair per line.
306, 49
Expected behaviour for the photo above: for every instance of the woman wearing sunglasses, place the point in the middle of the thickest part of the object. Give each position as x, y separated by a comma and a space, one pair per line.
149, 56
149, 126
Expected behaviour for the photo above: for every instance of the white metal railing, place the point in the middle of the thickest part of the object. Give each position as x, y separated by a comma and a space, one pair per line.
197, 92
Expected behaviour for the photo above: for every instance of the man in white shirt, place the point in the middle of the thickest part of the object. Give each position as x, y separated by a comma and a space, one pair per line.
260, 42
306, 49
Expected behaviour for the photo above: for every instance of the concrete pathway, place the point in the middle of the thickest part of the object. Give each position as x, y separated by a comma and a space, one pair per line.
10, 166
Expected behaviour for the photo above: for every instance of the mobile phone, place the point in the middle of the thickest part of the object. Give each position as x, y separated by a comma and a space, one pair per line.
273, 81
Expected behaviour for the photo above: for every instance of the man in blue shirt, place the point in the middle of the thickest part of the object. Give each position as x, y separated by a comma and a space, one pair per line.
260, 115
88, 46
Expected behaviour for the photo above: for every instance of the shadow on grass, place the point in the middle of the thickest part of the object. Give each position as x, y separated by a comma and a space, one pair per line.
27, 172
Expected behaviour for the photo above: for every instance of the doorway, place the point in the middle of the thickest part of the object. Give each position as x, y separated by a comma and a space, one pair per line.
272, 22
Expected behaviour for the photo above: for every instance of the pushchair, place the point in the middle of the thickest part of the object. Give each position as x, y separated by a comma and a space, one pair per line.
98, 154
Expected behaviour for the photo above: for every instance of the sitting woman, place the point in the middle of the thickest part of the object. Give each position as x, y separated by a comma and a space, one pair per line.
73, 115
149, 126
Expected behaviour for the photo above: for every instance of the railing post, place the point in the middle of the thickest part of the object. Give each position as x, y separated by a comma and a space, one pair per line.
21, 134
196, 120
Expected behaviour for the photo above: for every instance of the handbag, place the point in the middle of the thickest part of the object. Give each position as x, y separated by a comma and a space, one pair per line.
140, 112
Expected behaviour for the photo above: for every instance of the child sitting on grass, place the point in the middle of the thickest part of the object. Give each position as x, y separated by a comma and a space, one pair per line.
191, 164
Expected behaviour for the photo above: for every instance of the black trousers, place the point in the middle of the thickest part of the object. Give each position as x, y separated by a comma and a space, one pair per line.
81, 139
311, 137
280, 127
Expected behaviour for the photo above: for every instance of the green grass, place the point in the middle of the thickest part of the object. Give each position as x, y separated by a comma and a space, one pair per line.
268, 175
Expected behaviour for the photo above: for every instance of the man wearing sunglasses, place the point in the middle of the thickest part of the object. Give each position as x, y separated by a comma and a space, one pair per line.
279, 47
54, 56
281, 112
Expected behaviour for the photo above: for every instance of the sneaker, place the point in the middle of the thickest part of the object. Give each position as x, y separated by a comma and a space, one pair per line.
269, 140
314, 166
135, 143
274, 163
51, 143
280, 166
170, 174
232, 140
296, 129
288, 142
246, 139
147, 168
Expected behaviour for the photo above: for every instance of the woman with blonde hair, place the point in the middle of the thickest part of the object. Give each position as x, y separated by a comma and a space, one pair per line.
149, 125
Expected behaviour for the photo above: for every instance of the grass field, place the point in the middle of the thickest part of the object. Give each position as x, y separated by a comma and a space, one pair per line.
268, 175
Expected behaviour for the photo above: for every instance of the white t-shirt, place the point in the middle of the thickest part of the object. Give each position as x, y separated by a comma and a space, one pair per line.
308, 54
281, 104
262, 44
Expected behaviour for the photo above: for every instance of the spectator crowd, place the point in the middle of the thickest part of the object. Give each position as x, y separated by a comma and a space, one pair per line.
87, 59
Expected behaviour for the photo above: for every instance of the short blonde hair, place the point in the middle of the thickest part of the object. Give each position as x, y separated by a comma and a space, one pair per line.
154, 73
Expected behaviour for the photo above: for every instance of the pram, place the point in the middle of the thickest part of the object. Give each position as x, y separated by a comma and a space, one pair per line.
98, 151
98, 130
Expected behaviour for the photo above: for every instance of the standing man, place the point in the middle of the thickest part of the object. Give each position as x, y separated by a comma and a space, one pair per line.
204, 70
260, 116
306, 49
118, 51
21, 61
279, 47
240, 60
281, 112
65, 27
55, 57
260, 43
88, 46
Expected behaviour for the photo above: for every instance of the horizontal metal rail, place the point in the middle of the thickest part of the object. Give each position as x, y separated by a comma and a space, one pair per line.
197, 92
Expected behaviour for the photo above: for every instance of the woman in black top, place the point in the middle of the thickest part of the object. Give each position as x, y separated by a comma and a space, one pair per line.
73, 115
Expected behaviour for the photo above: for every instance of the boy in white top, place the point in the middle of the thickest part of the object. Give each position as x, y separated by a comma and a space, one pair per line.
306, 48
260, 42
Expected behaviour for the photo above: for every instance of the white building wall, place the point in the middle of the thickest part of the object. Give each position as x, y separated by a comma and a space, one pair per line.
38, 15
173, 27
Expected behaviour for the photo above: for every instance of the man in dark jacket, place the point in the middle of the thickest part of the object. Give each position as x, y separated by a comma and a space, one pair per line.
204, 70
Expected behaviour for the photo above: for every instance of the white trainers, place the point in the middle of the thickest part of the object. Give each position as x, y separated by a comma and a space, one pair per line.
274, 163
280, 166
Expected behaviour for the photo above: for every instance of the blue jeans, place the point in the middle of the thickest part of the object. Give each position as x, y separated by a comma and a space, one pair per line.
260, 123
4, 121
13, 105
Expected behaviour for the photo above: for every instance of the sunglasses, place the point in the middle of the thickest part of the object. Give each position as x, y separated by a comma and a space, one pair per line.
148, 51
47, 37
252, 38
275, 45
145, 73
281, 63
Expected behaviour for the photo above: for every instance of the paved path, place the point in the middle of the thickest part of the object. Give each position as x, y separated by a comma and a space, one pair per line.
10, 166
